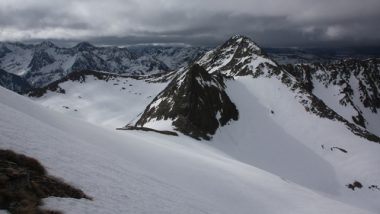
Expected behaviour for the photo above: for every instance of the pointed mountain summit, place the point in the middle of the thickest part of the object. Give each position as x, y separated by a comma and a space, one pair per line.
193, 103
238, 56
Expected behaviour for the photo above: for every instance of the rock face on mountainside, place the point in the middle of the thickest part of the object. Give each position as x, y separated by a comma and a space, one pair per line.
194, 101
350, 87
44, 63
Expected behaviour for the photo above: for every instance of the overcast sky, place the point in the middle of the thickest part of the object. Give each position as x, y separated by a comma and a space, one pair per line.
271, 23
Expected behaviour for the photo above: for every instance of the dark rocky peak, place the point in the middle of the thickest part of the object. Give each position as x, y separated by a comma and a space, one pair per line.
196, 103
84, 46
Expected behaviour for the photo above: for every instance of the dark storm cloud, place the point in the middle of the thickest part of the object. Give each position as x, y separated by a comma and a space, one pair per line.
207, 22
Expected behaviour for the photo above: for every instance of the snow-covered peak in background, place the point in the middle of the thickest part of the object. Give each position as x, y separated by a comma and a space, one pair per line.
237, 56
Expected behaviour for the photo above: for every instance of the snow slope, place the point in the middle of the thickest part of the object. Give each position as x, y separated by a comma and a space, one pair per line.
135, 172
276, 134
106, 103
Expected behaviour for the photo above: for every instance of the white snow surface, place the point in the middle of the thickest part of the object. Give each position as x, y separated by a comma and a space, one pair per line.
160, 124
111, 104
143, 172
275, 133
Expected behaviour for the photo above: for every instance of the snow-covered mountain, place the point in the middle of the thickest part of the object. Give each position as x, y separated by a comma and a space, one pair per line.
239, 56
279, 125
44, 63
350, 87
235, 103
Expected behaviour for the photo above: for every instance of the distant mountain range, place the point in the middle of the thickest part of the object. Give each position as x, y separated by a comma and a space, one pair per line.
44, 63
311, 55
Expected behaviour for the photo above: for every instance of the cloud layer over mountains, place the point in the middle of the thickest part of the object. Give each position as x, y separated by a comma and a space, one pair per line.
270, 22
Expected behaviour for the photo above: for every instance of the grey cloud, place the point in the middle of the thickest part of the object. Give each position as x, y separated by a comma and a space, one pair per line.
270, 22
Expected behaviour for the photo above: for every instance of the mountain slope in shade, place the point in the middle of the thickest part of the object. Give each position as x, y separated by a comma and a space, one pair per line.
13, 82
351, 87
194, 102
